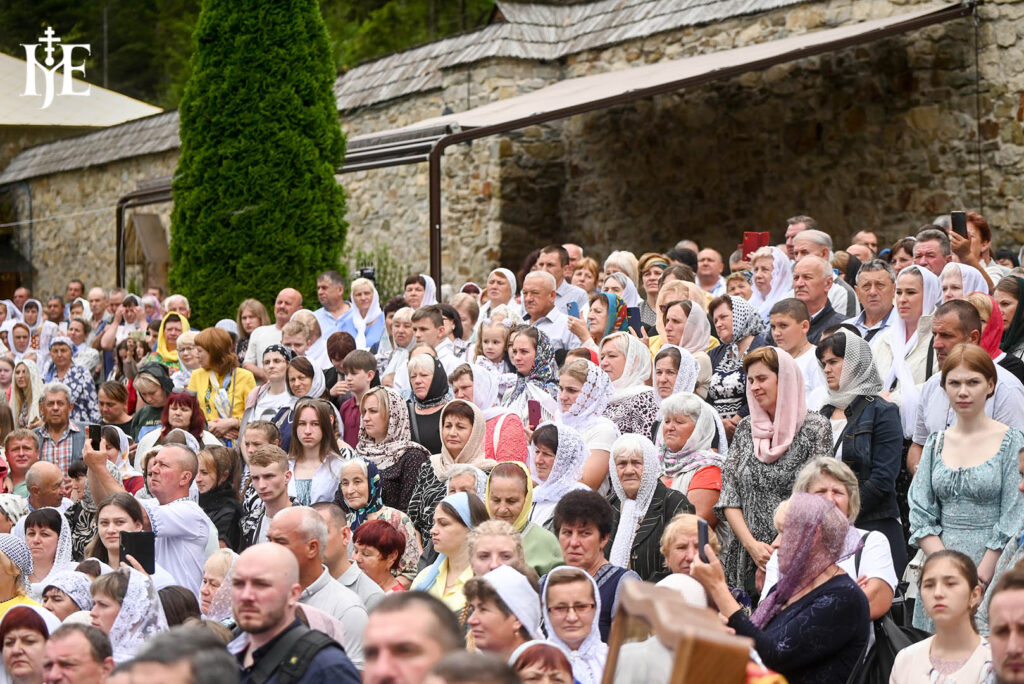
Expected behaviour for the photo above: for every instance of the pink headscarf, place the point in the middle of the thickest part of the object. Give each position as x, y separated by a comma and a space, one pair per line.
772, 439
815, 536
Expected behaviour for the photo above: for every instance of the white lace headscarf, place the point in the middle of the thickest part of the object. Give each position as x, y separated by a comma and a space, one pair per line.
588, 660
567, 469
859, 376
360, 322
141, 616
629, 293
782, 282
901, 346
62, 560
220, 603
637, 368
75, 584
632, 510
592, 400
686, 379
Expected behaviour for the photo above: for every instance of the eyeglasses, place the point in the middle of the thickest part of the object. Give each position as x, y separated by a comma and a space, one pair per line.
580, 609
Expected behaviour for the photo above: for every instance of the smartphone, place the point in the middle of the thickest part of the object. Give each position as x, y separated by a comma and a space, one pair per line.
140, 546
534, 408
959, 220
573, 309
702, 539
634, 320
751, 243
94, 437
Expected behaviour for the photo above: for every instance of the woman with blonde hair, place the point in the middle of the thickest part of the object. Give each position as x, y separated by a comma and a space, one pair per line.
251, 314
679, 543
220, 385
26, 391
15, 568
622, 262
585, 275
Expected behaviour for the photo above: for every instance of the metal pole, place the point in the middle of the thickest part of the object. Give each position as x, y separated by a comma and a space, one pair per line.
434, 190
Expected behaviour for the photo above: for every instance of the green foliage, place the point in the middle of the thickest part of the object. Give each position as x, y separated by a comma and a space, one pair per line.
389, 274
256, 205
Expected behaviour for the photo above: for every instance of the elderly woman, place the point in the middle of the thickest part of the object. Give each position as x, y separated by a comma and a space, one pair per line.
559, 455
537, 374
643, 506
509, 497
773, 276
462, 432
67, 593
680, 541
959, 280
15, 569
813, 627
619, 284
607, 314
377, 550
172, 327
690, 431
739, 328
385, 440
571, 610
768, 449
627, 361
622, 262
359, 495
220, 385
429, 383
584, 392
585, 275
366, 324
454, 517
506, 612
499, 291
215, 591
866, 434
675, 372
23, 634
84, 406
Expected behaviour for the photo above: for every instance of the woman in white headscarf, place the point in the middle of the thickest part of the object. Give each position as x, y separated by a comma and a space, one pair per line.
48, 536
127, 608
559, 455
566, 590
584, 393
643, 507
67, 593
627, 361
500, 291
618, 283
366, 324
41, 330
773, 279
675, 371
693, 449
687, 326
959, 280
902, 353
19, 342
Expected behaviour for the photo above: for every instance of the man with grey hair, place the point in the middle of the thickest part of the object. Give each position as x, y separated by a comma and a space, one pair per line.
334, 311
932, 249
61, 439
44, 481
178, 304
688, 244
539, 291
812, 279
818, 243
303, 532
876, 288
335, 555
794, 226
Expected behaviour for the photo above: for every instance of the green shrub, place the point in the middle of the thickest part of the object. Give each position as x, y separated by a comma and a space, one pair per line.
256, 205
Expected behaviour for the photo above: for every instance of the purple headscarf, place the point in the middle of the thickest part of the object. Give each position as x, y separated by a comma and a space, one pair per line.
816, 535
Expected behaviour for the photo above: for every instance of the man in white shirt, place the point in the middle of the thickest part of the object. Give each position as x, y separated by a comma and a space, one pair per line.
555, 260
429, 328
789, 325
289, 300
818, 243
303, 532
339, 538
876, 289
709, 271
539, 304
334, 310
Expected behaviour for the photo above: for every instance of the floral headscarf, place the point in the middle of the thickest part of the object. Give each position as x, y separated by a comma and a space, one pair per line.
618, 316
398, 439
567, 469
815, 536
544, 373
374, 500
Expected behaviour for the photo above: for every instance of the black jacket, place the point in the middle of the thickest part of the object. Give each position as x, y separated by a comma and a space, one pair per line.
873, 447
645, 557
226, 513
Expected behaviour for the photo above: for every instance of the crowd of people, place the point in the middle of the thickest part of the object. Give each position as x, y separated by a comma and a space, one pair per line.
455, 484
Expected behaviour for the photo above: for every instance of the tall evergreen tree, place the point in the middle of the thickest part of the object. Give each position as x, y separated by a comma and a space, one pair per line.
256, 205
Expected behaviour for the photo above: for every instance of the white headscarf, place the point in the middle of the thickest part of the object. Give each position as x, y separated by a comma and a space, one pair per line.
588, 660
782, 277
141, 616
124, 465
697, 331
75, 584
567, 469
859, 376
632, 510
515, 590
360, 322
14, 547
697, 452
629, 294
901, 346
686, 379
592, 400
61, 559
637, 368
429, 292
485, 392
971, 278
13, 312
512, 285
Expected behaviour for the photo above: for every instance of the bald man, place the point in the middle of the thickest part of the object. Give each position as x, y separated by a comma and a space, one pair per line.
289, 300
44, 480
265, 591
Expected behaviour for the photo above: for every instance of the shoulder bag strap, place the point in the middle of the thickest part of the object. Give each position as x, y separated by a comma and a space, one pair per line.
267, 665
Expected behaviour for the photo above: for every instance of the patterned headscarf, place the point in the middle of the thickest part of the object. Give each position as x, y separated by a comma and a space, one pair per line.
686, 375
618, 315
860, 375
13, 507
816, 535
437, 393
284, 351
592, 400
567, 469
374, 500
544, 372
398, 439
697, 452
16, 549
141, 616
73, 583
632, 510
745, 322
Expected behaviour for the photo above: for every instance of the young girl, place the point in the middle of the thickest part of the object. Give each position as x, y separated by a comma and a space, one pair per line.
492, 352
951, 593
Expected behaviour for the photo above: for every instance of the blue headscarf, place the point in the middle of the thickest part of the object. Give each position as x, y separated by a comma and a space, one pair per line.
460, 502
618, 318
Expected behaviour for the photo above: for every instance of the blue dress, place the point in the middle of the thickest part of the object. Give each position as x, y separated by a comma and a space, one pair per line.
970, 509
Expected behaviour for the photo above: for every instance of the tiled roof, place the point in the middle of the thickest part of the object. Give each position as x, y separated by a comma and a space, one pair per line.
536, 31
143, 136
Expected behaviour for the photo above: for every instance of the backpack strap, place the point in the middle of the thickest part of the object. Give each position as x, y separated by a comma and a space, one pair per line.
860, 552
294, 667
413, 427
263, 670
